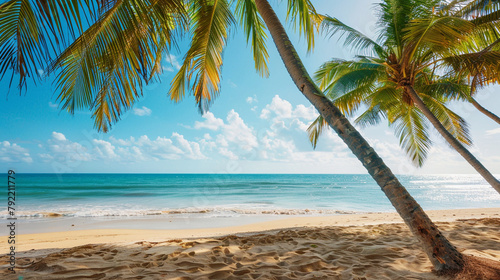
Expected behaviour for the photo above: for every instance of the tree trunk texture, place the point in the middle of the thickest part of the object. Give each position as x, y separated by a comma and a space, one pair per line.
443, 255
453, 141
484, 110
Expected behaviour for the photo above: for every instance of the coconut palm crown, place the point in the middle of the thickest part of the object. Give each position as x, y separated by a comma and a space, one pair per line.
419, 47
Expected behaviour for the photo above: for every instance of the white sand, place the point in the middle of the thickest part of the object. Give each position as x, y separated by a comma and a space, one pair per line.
374, 246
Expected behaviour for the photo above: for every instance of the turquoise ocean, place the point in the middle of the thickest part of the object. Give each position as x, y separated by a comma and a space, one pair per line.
131, 195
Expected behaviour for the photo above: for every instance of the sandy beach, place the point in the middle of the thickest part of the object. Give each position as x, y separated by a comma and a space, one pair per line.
351, 246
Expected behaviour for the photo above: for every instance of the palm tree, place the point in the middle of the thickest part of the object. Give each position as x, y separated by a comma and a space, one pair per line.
364, 81
123, 42
400, 75
478, 59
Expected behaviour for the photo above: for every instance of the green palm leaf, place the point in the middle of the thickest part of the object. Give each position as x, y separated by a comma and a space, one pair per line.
304, 16
201, 69
371, 116
255, 29
315, 129
451, 121
21, 41
107, 66
411, 128
353, 38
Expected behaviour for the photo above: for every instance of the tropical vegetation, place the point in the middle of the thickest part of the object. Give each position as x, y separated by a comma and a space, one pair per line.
112, 48
423, 59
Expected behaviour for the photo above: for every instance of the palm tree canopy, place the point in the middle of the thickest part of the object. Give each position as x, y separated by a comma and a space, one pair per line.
114, 48
413, 48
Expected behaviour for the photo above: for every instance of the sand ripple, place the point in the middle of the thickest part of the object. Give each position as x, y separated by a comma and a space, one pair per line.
359, 252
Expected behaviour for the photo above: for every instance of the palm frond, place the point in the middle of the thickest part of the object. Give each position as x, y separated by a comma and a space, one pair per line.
106, 67
353, 79
446, 88
304, 17
315, 129
437, 32
353, 38
201, 70
485, 65
411, 128
480, 10
33, 32
256, 30
371, 116
22, 44
395, 16
451, 121
330, 75
328, 71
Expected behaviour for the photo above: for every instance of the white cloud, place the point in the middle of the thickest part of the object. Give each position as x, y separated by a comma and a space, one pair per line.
61, 149
230, 138
52, 105
58, 136
172, 61
493, 131
308, 113
265, 114
252, 99
190, 150
227, 153
237, 132
210, 122
121, 142
104, 149
144, 111
235, 137
280, 107
12, 152
161, 148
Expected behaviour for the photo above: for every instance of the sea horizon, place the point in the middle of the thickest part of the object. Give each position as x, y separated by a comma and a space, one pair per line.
42, 195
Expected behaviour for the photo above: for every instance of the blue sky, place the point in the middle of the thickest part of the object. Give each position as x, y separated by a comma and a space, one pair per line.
256, 125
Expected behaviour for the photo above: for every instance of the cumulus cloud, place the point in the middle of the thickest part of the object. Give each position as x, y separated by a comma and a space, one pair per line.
236, 131
235, 137
104, 149
144, 111
161, 148
63, 150
210, 122
58, 136
280, 109
308, 113
12, 152
230, 138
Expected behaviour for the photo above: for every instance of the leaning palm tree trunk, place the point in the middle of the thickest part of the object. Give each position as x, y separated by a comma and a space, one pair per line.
443, 255
484, 110
453, 141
